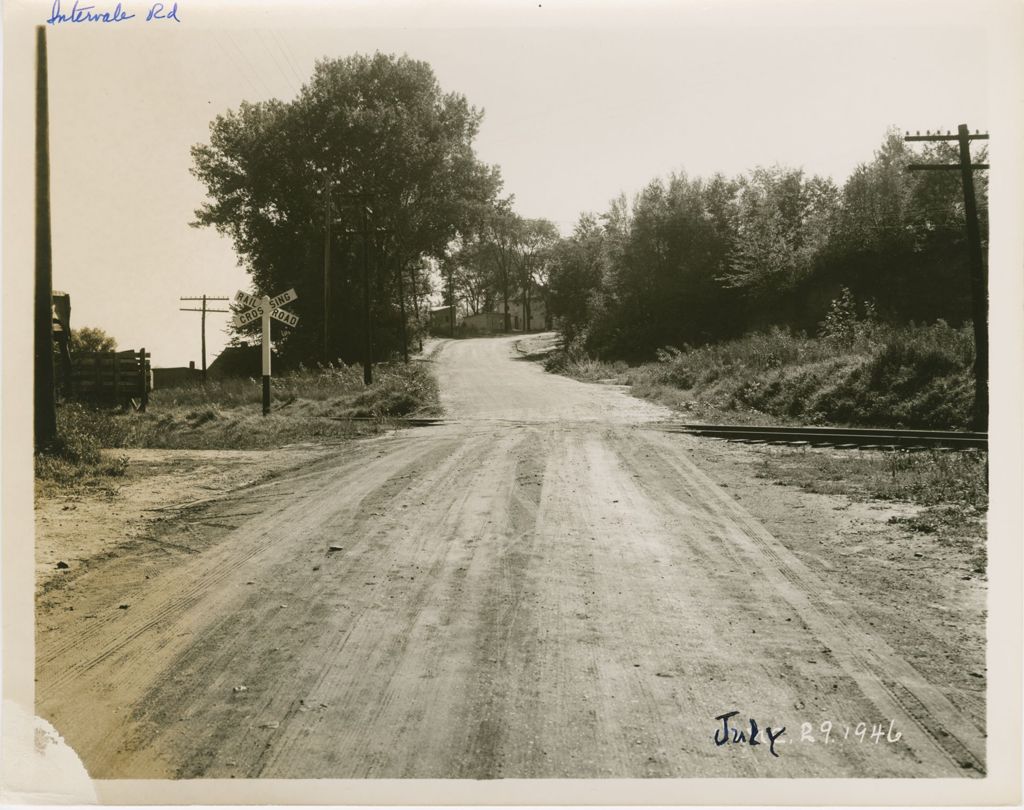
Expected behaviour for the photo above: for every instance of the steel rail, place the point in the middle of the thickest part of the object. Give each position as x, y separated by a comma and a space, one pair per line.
883, 438
894, 438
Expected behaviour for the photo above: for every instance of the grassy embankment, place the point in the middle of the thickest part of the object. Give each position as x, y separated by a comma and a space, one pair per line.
877, 376
308, 405
913, 377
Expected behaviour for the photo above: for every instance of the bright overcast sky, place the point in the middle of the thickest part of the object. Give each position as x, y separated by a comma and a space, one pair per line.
582, 101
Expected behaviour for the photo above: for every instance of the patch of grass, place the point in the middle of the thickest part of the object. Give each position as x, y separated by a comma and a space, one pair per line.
317, 385
580, 366
64, 474
927, 477
240, 428
307, 405
951, 486
397, 391
76, 457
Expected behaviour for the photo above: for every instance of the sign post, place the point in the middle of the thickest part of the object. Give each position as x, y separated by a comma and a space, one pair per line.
265, 311
265, 308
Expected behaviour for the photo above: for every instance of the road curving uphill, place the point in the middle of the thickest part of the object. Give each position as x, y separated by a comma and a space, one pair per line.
539, 586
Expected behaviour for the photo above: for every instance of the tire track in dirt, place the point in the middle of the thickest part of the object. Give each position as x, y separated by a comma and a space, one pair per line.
879, 672
391, 701
342, 627
162, 623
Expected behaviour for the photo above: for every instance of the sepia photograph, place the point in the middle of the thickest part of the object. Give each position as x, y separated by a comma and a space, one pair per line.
460, 402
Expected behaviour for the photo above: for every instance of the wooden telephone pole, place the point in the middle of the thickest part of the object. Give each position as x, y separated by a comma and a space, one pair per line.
328, 216
401, 307
363, 200
979, 275
45, 394
204, 309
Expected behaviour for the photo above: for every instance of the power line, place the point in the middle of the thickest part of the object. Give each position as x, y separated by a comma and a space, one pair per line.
287, 58
237, 65
277, 64
262, 81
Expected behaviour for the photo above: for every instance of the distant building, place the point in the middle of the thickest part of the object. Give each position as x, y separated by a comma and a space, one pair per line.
441, 320
538, 315
484, 323
491, 323
176, 377
238, 361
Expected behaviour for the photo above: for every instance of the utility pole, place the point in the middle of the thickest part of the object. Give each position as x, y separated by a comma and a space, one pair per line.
367, 318
363, 200
979, 276
204, 309
45, 394
451, 300
401, 307
416, 305
328, 214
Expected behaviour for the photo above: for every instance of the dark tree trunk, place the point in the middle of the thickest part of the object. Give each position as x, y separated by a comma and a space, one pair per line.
416, 306
508, 315
401, 307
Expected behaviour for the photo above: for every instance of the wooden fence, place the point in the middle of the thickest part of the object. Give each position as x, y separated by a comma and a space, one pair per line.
110, 378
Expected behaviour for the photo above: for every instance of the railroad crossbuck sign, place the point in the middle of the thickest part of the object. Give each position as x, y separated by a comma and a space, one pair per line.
256, 308
264, 309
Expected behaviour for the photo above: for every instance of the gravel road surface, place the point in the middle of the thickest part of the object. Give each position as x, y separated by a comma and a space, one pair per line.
546, 585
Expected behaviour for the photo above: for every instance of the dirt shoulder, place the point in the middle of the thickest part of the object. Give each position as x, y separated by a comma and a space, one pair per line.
77, 526
923, 595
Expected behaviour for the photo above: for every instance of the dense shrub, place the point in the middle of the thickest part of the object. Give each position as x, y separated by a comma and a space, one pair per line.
918, 378
398, 391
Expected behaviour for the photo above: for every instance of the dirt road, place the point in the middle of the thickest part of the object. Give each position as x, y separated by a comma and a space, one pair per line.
545, 586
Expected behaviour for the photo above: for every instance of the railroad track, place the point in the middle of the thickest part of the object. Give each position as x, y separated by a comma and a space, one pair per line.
865, 438
396, 421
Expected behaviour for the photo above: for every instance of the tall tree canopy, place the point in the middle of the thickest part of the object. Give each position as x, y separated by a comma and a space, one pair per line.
692, 260
373, 133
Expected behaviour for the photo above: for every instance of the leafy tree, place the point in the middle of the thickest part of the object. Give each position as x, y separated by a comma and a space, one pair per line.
470, 283
900, 237
877, 214
537, 238
576, 278
783, 222
500, 234
662, 280
368, 136
90, 339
